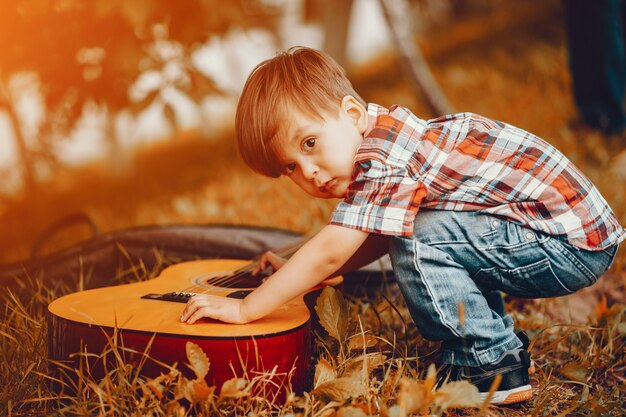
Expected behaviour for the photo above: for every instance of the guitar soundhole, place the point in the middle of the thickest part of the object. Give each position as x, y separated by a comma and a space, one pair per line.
231, 281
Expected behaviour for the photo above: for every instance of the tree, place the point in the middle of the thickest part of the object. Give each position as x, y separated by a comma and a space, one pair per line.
93, 51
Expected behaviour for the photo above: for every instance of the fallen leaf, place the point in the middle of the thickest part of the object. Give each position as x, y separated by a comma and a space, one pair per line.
332, 311
234, 388
362, 341
340, 389
412, 396
369, 361
196, 390
350, 412
198, 360
324, 372
575, 371
457, 394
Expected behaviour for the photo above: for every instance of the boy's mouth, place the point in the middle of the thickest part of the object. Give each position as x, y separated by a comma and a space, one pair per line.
328, 185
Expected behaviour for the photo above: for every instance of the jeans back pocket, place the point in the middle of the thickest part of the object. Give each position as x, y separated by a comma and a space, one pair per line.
534, 280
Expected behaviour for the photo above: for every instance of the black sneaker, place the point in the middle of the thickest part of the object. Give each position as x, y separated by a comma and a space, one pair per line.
523, 337
514, 386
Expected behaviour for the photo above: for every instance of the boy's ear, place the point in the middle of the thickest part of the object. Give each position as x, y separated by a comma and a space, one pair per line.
356, 111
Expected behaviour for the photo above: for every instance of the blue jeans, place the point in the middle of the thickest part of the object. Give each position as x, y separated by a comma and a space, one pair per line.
462, 257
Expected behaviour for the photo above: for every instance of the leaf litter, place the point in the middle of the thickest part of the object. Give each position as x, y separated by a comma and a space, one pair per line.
368, 362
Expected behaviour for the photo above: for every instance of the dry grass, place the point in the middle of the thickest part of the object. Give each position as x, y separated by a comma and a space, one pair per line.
369, 361
578, 342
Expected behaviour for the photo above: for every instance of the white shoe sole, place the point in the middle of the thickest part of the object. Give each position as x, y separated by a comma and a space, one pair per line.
512, 396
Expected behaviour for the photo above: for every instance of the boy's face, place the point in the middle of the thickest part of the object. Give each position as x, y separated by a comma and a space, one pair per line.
318, 155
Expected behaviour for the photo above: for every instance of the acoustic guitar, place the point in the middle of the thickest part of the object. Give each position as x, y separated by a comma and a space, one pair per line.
144, 317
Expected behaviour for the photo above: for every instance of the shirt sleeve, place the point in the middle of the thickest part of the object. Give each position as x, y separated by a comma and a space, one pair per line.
381, 199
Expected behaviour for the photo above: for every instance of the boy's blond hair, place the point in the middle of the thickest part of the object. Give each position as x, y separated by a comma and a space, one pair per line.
299, 79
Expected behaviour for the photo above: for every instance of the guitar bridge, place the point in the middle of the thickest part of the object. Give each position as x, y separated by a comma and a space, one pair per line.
183, 297
176, 297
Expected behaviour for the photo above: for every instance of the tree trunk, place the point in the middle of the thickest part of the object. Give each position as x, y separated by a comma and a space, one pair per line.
25, 162
120, 159
398, 19
336, 21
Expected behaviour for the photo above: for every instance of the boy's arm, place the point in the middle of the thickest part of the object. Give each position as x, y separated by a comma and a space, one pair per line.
373, 248
319, 258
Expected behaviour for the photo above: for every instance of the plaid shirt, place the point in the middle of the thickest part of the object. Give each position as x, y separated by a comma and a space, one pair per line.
468, 162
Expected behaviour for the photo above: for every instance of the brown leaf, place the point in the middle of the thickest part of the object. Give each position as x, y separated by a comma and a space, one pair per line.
198, 360
195, 390
367, 363
362, 341
324, 372
173, 408
351, 412
332, 311
234, 388
575, 371
340, 389
457, 394
431, 378
156, 385
412, 397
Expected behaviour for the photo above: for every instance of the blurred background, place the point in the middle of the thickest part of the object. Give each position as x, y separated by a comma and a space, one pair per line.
123, 110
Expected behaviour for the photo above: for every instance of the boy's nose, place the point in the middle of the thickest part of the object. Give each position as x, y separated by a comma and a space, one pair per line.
309, 171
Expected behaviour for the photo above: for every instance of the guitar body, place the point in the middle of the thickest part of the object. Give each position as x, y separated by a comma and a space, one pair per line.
87, 321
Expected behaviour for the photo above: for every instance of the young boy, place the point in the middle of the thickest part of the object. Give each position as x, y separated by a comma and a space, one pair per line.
466, 206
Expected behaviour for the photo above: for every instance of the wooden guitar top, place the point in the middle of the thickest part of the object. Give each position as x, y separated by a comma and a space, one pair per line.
122, 306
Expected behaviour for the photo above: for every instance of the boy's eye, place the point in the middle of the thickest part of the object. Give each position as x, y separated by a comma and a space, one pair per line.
309, 144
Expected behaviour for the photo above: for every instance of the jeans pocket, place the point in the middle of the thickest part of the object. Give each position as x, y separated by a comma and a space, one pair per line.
534, 280
595, 262
538, 279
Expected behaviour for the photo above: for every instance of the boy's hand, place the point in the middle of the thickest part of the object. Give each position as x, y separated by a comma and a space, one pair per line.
269, 258
229, 310
319, 258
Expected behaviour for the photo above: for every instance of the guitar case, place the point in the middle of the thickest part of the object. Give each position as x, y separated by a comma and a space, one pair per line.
113, 258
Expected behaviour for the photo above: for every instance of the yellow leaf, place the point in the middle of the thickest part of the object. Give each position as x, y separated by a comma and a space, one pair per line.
457, 394
412, 397
324, 372
367, 363
198, 360
431, 378
340, 389
332, 311
173, 408
575, 371
362, 341
234, 388
350, 412
195, 390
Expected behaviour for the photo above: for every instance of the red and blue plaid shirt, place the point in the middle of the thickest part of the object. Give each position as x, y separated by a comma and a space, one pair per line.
471, 163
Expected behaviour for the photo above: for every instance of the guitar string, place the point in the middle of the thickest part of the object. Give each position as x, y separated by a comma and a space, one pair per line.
231, 279
226, 281
234, 277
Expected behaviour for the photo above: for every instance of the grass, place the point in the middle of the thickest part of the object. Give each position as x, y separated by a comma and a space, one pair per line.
369, 361
578, 342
